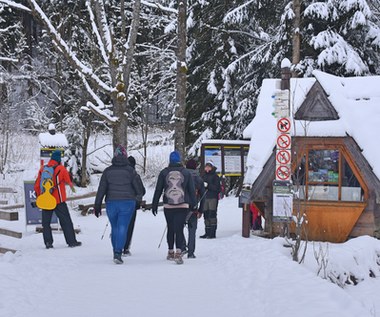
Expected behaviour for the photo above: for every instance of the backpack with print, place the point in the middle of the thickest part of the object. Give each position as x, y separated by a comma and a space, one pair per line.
174, 189
47, 174
46, 200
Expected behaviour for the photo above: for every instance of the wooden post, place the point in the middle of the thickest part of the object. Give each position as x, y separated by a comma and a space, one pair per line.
246, 221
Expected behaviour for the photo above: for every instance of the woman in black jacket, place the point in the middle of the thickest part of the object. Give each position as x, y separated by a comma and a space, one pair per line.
121, 187
210, 205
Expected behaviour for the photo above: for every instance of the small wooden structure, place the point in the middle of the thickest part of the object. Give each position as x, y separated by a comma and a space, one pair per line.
335, 163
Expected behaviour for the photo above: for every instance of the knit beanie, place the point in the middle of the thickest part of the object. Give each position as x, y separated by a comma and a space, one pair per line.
191, 164
132, 161
210, 163
56, 156
120, 151
175, 157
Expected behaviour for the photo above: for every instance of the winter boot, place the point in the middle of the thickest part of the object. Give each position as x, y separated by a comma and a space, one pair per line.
126, 252
170, 255
212, 234
207, 233
191, 256
117, 258
178, 257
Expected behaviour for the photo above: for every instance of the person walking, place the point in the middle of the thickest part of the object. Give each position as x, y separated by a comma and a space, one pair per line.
60, 178
176, 182
210, 206
121, 187
193, 215
126, 251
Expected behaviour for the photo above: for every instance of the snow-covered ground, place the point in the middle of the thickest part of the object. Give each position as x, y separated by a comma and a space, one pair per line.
232, 276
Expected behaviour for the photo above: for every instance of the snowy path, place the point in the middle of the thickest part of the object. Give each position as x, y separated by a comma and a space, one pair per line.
231, 276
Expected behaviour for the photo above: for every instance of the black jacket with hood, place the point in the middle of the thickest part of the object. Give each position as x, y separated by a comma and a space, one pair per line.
213, 188
161, 186
119, 182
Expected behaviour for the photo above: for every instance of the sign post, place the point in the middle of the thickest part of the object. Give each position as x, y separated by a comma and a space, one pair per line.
282, 185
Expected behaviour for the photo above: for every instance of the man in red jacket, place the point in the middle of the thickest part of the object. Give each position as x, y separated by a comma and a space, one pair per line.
60, 178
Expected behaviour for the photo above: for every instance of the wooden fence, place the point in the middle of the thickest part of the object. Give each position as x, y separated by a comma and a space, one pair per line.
8, 216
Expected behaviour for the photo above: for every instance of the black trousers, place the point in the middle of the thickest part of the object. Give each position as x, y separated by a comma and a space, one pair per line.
131, 227
67, 226
175, 220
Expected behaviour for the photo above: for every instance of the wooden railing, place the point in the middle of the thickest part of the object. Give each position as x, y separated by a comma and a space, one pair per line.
9, 216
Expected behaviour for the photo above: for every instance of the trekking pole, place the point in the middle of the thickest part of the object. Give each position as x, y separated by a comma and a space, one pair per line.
162, 236
105, 229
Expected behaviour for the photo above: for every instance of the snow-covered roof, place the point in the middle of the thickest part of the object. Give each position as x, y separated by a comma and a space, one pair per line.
225, 142
53, 140
356, 100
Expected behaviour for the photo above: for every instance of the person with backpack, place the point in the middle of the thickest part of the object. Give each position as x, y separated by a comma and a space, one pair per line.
121, 187
179, 196
131, 226
210, 206
58, 175
193, 215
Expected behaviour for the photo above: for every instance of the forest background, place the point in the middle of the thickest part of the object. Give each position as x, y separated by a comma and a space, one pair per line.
107, 66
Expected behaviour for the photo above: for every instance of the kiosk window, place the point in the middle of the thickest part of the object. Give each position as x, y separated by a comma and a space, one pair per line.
326, 175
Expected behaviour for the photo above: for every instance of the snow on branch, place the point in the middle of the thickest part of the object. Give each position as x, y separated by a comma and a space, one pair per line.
8, 59
15, 5
100, 109
237, 15
101, 12
159, 6
62, 45
96, 32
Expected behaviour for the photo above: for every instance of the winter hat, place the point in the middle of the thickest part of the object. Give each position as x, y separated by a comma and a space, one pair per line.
210, 163
191, 164
132, 161
120, 151
56, 156
175, 157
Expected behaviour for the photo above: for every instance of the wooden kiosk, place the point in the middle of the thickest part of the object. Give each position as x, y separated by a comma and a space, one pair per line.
335, 171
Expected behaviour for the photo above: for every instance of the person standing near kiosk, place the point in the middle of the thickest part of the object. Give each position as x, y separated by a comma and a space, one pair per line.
210, 206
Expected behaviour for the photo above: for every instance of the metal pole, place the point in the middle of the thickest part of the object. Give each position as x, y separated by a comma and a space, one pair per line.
105, 229
162, 237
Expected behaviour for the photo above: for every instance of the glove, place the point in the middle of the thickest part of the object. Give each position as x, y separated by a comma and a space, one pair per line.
33, 203
73, 189
154, 212
97, 211
205, 184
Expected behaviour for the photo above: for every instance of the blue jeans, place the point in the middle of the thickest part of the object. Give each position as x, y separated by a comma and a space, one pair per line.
119, 213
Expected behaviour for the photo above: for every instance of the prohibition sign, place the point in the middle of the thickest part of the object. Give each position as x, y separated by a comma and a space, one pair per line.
283, 157
283, 173
283, 125
283, 141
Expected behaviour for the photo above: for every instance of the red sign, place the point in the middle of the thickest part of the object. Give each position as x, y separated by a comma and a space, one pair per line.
283, 125
283, 141
283, 173
283, 157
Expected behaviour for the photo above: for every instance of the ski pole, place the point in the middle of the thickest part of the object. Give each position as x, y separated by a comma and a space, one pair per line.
105, 229
162, 236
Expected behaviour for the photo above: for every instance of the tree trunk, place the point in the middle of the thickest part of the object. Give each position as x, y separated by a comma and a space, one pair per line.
180, 120
296, 35
86, 138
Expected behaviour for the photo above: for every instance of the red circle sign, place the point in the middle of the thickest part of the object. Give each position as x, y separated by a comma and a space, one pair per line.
283, 173
283, 157
283, 141
283, 125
